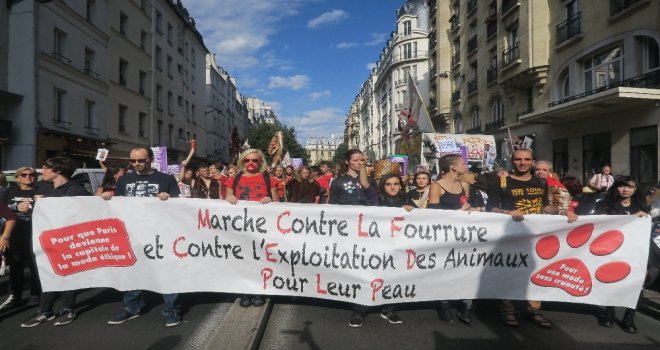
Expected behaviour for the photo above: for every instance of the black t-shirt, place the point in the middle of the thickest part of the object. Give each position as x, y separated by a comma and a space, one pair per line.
605, 207
414, 197
69, 189
15, 196
529, 197
149, 185
347, 190
396, 201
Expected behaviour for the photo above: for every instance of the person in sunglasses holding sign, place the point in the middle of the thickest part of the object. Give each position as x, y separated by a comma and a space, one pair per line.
145, 181
251, 183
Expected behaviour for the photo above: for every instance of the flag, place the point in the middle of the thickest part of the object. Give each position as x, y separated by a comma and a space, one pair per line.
286, 161
514, 141
245, 146
414, 118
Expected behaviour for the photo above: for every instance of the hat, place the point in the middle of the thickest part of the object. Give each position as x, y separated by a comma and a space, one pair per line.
384, 167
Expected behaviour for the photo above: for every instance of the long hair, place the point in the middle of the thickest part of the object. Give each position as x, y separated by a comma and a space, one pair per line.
381, 185
573, 185
638, 199
343, 168
298, 174
109, 177
262, 163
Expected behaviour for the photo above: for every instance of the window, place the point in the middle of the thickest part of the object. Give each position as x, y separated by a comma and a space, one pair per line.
159, 23
123, 72
560, 156
90, 118
143, 82
644, 155
407, 51
169, 66
180, 100
159, 58
90, 10
181, 134
497, 109
142, 119
123, 23
122, 118
407, 28
603, 69
59, 41
170, 31
529, 94
192, 56
458, 124
89, 62
170, 135
160, 133
651, 54
143, 40
159, 100
169, 102
564, 82
596, 153
59, 106
476, 120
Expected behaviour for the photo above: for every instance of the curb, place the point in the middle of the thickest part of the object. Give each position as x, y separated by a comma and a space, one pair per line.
242, 328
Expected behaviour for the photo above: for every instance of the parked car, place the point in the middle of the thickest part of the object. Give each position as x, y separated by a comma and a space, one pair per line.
91, 178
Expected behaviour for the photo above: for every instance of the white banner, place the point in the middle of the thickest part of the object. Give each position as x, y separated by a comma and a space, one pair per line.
365, 255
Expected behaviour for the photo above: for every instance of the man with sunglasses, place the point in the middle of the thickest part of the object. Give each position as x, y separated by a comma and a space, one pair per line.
145, 181
21, 201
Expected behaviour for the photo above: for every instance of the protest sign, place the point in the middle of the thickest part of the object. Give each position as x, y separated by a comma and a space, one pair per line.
365, 255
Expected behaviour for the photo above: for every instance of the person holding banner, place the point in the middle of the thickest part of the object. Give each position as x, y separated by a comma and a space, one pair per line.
57, 170
146, 182
205, 186
419, 197
450, 193
251, 183
303, 189
520, 194
624, 199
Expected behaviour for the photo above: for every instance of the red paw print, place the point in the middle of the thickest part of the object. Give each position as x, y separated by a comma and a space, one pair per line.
571, 274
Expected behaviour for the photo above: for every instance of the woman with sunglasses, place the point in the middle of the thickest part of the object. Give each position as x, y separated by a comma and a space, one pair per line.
623, 199
251, 183
16, 243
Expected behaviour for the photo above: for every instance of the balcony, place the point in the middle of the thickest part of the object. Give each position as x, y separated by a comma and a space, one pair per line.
456, 96
494, 125
471, 6
456, 58
455, 22
472, 45
511, 54
491, 29
472, 86
91, 73
508, 6
615, 98
474, 130
491, 75
569, 28
60, 57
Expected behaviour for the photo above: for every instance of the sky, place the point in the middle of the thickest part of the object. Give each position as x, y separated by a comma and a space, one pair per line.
306, 58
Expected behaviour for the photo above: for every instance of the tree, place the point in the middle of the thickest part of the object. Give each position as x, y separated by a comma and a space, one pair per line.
259, 137
341, 150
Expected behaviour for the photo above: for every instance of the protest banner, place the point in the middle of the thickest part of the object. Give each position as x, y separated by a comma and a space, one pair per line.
365, 255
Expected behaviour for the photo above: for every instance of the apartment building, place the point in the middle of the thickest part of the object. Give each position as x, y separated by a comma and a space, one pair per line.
322, 148
8, 99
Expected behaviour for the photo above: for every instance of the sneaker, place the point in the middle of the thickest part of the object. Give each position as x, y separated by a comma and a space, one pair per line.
246, 301
38, 319
9, 302
391, 316
172, 319
445, 313
258, 300
123, 317
356, 320
65, 317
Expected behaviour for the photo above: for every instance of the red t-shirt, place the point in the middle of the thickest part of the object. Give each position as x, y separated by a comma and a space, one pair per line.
324, 180
250, 188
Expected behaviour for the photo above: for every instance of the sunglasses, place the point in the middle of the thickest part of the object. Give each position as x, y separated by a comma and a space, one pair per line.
27, 175
250, 161
141, 161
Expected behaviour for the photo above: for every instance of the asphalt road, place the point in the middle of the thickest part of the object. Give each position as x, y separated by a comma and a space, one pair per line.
314, 324
202, 312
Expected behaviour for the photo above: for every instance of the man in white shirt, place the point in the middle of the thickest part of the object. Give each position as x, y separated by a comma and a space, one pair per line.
602, 181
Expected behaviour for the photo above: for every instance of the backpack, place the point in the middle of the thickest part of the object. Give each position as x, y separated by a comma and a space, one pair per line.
237, 178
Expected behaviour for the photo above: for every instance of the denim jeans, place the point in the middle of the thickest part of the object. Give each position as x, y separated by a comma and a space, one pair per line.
134, 302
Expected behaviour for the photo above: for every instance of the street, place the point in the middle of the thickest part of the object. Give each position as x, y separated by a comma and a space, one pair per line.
202, 312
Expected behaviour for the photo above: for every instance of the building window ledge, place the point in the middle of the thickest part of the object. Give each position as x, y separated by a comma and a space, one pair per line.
512, 64
511, 8
614, 17
569, 42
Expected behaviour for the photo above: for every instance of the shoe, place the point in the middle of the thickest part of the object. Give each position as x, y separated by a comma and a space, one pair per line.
391, 316
246, 301
38, 319
356, 320
628, 323
34, 300
9, 302
258, 300
445, 313
537, 318
465, 314
607, 319
172, 319
123, 317
65, 317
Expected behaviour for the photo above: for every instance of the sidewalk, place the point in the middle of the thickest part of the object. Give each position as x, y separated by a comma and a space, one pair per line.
650, 303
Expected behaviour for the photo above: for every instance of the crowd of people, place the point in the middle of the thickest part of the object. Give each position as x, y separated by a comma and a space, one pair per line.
355, 182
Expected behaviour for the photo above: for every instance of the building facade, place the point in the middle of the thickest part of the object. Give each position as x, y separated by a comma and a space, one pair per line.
322, 148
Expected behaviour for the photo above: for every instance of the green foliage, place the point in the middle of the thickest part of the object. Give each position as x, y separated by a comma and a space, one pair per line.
338, 159
259, 137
